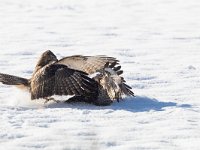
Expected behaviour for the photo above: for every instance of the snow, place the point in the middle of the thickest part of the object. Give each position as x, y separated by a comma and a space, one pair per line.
157, 43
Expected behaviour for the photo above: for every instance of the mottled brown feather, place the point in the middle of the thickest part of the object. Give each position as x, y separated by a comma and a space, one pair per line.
68, 76
57, 79
88, 64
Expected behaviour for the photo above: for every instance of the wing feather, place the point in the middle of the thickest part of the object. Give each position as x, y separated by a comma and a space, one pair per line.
88, 64
58, 79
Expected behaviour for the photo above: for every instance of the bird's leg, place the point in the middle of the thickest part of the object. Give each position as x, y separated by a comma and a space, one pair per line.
49, 99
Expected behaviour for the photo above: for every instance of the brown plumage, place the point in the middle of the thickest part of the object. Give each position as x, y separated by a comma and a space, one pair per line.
71, 76
88, 64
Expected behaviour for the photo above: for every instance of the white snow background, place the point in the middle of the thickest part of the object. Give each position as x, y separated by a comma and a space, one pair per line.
158, 45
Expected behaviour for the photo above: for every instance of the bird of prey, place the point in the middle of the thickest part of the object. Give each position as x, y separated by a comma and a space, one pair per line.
91, 79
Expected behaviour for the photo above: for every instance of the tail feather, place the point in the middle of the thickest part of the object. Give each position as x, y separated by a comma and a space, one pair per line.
13, 80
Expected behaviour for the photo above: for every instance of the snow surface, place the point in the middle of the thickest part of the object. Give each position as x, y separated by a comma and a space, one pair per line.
158, 44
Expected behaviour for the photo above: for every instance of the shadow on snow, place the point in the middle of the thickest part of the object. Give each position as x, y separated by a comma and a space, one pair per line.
136, 104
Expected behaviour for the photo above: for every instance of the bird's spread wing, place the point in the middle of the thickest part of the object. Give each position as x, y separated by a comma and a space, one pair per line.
88, 64
58, 79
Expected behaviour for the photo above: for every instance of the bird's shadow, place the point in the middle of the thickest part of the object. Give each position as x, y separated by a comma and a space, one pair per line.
134, 104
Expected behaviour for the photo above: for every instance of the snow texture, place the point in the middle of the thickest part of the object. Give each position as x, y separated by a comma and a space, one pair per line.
158, 44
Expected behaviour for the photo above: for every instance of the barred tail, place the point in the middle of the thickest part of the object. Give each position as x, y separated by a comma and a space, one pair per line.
13, 80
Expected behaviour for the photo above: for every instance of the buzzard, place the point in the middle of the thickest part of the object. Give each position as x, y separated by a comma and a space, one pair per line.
91, 79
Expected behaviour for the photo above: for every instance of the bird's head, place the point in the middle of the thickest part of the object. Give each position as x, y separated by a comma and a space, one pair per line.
46, 58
